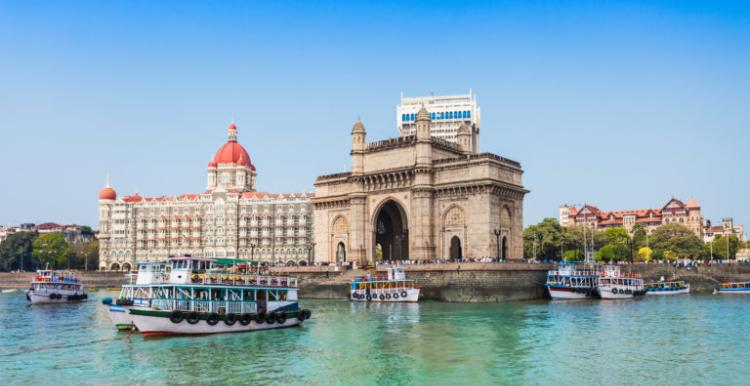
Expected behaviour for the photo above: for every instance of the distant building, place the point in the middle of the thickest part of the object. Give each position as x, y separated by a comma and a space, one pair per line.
73, 234
447, 114
675, 211
727, 227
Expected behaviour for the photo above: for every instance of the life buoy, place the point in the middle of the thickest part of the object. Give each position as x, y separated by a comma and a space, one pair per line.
176, 317
403, 294
614, 291
301, 315
281, 317
192, 317
230, 319
212, 319
245, 319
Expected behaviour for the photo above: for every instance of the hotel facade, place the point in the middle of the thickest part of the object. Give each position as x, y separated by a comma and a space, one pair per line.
230, 219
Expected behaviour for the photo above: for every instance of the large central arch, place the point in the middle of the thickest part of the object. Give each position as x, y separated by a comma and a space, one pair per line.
391, 233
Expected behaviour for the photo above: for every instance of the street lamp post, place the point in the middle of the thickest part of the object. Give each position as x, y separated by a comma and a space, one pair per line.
497, 233
252, 251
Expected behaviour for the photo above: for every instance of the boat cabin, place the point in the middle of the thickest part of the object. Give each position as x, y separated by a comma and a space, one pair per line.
183, 267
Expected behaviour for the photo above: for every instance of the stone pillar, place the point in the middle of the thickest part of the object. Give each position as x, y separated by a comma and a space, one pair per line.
358, 229
422, 240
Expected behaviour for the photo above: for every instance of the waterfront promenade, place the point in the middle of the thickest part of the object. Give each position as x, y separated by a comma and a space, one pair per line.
451, 282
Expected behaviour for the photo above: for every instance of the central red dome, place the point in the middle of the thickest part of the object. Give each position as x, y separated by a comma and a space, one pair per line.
232, 152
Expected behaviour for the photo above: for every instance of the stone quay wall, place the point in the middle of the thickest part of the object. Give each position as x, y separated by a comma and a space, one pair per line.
98, 279
464, 282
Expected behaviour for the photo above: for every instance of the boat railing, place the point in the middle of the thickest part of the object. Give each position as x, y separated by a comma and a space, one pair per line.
557, 272
218, 306
56, 280
244, 280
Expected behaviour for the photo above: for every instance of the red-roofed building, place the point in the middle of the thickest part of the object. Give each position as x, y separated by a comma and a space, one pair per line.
675, 211
228, 220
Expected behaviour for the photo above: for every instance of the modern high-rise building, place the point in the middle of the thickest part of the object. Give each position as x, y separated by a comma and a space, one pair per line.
447, 114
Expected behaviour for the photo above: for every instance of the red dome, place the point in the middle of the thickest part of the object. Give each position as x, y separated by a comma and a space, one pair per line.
232, 152
107, 194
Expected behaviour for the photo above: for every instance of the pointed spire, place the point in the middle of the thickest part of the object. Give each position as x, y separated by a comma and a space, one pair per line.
232, 132
423, 114
358, 127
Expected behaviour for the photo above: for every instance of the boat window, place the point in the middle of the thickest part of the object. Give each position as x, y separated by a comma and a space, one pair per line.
248, 295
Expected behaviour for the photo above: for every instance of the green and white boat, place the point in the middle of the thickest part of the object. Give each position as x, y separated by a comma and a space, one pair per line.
207, 296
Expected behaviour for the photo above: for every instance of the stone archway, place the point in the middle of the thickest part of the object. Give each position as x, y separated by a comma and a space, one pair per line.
114, 267
126, 267
391, 233
340, 252
456, 251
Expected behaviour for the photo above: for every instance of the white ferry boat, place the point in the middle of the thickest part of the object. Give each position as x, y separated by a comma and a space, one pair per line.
569, 282
136, 293
49, 286
392, 287
737, 287
612, 284
664, 287
204, 296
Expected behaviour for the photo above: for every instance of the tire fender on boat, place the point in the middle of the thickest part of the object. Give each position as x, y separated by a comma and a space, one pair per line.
270, 318
369, 298
212, 319
260, 317
301, 315
230, 319
395, 295
382, 297
192, 317
403, 294
245, 319
280, 317
176, 317
614, 291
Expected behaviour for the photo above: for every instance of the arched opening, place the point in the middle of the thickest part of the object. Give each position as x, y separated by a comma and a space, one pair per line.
114, 267
126, 267
504, 249
456, 252
291, 263
303, 263
340, 252
391, 233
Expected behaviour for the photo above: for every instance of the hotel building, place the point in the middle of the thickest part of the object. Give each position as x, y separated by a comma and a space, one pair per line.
447, 114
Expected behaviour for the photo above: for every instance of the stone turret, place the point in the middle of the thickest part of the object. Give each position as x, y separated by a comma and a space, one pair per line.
359, 144
424, 138
464, 139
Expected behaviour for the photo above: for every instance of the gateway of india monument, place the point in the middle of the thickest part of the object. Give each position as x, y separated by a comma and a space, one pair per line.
427, 194
421, 196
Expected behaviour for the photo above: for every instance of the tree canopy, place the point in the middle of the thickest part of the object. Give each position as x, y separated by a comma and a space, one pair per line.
52, 249
675, 241
17, 249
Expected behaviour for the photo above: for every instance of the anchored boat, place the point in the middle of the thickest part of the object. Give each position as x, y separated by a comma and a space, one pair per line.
612, 284
738, 287
137, 292
49, 286
568, 282
205, 296
392, 287
663, 287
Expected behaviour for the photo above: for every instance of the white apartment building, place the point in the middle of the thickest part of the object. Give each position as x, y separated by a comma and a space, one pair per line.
447, 114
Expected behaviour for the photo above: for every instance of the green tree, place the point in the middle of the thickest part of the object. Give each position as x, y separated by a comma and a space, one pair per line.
17, 249
679, 240
639, 236
52, 249
86, 253
613, 252
550, 240
720, 245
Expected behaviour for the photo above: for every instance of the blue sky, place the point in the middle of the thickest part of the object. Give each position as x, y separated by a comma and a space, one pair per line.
619, 104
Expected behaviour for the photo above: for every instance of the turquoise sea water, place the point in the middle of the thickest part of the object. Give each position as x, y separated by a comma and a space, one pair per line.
695, 339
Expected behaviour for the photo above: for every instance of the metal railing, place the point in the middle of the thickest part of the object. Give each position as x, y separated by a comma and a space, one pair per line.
218, 306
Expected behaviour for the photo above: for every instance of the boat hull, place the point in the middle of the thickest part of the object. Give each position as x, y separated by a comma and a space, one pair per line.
732, 292
620, 292
663, 292
558, 293
149, 325
405, 295
45, 297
